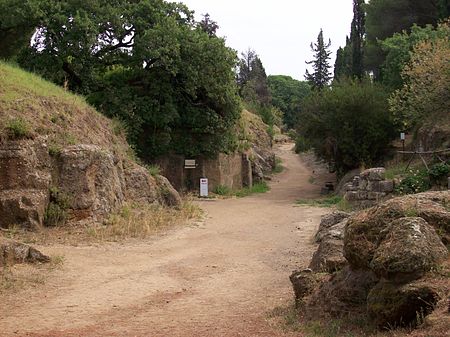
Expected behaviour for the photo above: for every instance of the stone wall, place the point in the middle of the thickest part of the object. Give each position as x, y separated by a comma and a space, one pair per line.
368, 188
233, 171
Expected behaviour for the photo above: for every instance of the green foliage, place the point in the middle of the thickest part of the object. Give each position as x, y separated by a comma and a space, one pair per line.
222, 190
416, 181
438, 173
257, 188
386, 17
288, 95
301, 144
154, 170
145, 62
56, 213
261, 187
324, 202
254, 88
424, 95
321, 75
348, 126
398, 50
18, 128
278, 166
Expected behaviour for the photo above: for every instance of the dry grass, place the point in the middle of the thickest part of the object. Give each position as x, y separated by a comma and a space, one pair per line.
20, 276
142, 221
132, 221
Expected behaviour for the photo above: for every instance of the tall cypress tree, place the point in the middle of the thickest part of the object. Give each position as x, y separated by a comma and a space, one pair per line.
357, 38
321, 76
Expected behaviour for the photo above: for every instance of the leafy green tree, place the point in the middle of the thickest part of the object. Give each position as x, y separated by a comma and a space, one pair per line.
425, 94
321, 75
253, 86
399, 47
386, 17
288, 95
349, 126
145, 62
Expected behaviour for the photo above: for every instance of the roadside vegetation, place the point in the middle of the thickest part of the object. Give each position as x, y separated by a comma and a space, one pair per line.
257, 188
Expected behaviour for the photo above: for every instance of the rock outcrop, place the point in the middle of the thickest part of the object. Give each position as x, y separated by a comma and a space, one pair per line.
329, 256
92, 180
391, 252
12, 252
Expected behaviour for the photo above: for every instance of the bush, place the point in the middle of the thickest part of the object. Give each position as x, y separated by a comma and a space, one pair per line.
349, 126
154, 170
18, 128
301, 144
56, 213
222, 190
416, 181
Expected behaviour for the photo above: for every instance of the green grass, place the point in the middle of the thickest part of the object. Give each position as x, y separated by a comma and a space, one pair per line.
258, 188
154, 170
222, 190
331, 201
244, 192
278, 166
18, 128
15, 83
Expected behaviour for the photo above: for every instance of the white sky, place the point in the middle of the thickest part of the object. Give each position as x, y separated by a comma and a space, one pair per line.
280, 31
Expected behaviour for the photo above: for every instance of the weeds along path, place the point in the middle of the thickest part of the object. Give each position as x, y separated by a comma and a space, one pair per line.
220, 278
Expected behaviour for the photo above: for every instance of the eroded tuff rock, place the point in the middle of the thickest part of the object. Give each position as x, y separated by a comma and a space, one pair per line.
331, 222
346, 291
12, 252
92, 180
392, 305
366, 230
411, 249
393, 250
329, 257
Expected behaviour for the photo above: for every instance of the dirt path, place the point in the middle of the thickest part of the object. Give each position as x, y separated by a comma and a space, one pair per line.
220, 278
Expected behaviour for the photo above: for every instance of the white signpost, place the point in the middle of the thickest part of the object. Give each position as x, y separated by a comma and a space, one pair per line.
203, 187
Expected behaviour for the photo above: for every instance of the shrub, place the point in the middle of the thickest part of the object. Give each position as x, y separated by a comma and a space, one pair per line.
56, 213
439, 171
222, 190
416, 181
301, 144
154, 170
18, 128
349, 126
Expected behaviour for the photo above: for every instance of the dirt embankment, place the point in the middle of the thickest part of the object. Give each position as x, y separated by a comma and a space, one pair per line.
219, 278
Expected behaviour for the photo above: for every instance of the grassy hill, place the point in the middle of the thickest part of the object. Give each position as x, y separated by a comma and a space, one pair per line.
32, 107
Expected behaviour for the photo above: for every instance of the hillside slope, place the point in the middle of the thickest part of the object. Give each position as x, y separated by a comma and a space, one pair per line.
59, 157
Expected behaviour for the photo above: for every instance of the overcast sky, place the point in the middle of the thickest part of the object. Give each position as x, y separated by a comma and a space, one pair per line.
280, 31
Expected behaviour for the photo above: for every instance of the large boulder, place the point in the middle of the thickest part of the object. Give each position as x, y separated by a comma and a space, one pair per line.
140, 185
329, 256
390, 305
410, 250
303, 282
168, 194
366, 230
12, 252
346, 291
331, 222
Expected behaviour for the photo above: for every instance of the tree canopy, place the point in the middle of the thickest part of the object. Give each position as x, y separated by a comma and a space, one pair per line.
288, 95
146, 62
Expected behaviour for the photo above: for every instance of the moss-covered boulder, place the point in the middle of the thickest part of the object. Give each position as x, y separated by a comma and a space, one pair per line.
411, 249
366, 230
390, 305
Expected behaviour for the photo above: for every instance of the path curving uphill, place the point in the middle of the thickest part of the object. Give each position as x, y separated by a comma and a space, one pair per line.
220, 278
